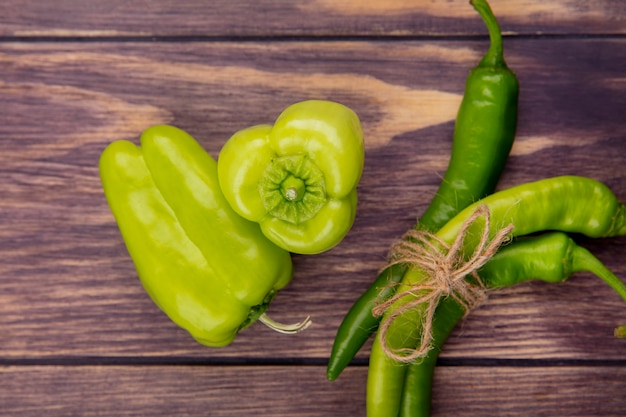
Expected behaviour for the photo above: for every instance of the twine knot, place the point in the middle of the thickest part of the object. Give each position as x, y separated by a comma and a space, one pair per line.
448, 274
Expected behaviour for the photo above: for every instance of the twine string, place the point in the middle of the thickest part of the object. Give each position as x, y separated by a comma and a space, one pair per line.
446, 271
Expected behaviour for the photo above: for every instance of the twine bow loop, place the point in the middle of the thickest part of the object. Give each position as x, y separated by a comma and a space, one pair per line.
446, 271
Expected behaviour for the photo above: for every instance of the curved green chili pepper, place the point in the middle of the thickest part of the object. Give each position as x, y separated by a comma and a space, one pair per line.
485, 130
566, 203
483, 136
211, 271
552, 257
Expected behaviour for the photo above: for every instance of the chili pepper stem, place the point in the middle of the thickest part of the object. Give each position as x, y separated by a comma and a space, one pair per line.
494, 56
583, 260
285, 328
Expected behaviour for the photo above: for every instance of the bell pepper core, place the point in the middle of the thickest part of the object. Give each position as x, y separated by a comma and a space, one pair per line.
211, 271
297, 178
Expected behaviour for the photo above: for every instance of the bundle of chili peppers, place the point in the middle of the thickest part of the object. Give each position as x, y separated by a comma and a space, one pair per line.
439, 270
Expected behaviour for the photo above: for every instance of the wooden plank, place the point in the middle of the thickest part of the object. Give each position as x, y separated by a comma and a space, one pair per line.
288, 391
76, 18
559, 391
69, 289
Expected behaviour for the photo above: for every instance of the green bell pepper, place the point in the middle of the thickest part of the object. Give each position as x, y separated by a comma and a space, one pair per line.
211, 271
297, 178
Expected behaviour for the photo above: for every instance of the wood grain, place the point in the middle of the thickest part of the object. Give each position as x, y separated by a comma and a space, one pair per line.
77, 98
192, 18
79, 336
227, 391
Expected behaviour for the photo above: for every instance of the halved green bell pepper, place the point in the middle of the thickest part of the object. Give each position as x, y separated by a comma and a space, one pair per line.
211, 271
297, 178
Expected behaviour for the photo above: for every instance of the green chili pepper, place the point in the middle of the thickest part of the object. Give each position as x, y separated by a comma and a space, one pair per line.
567, 204
483, 136
298, 178
359, 323
552, 257
211, 271
485, 130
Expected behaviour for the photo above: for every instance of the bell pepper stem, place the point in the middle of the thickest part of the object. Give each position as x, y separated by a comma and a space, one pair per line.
285, 328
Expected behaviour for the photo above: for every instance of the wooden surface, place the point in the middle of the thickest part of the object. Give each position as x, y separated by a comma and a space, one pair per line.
79, 336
